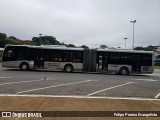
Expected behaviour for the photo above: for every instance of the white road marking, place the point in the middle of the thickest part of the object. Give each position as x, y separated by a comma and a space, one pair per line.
55, 86
157, 96
5, 77
76, 96
145, 80
153, 74
23, 82
109, 88
18, 118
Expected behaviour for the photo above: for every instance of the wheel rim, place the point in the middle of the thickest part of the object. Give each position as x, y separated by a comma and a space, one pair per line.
124, 72
24, 67
68, 68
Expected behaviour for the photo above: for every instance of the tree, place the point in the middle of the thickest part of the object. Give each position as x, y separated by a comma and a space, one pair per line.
158, 56
148, 48
36, 40
3, 36
84, 46
3, 40
47, 40
3, 43
103, 46
139, 48
12, 38
71, 45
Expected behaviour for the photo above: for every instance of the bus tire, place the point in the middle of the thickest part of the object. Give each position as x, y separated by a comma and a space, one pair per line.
24, 66
68, 68
124, 71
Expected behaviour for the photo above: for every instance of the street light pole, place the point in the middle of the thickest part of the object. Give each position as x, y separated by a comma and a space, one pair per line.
40, 39
125, 42
133, 33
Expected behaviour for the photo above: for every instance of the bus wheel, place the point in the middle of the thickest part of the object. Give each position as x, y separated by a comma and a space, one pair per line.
124, 71
24, 66
68, 68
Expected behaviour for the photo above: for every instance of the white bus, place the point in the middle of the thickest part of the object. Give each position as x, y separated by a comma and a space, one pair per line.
78, 59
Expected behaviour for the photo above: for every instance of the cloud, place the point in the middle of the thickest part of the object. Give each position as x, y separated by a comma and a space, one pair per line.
80, 22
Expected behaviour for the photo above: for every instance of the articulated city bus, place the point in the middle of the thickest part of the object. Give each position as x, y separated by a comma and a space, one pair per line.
77, 59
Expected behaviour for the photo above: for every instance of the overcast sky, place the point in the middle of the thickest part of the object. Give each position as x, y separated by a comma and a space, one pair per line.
83, 22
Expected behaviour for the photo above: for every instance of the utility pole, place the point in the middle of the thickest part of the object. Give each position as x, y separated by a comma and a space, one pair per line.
133, 33
39, 39
125, 42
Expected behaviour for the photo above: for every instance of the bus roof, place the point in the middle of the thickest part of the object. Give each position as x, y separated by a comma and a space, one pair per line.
49, 47
81, 49
125, 51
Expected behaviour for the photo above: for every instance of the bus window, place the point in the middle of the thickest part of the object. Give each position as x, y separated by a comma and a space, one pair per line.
56, 56
67, 56
77, 57
120, 58
125, 59
22, 53
48, 55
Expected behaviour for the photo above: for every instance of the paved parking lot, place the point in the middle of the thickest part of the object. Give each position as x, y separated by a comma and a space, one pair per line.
16, 82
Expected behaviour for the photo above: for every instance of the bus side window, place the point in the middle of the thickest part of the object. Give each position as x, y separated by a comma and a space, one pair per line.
57, 57
77, 57
112, 59
48, 55
67, 56
22, 53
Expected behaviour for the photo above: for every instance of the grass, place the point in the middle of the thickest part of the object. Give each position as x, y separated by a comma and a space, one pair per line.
157, 67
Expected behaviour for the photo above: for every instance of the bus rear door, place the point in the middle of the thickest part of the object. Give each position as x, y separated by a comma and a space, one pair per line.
136, 63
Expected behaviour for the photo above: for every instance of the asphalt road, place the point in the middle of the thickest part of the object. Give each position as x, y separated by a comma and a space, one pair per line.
16, 82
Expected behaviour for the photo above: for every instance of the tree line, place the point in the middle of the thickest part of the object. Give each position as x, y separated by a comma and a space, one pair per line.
40, 40
51, 40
